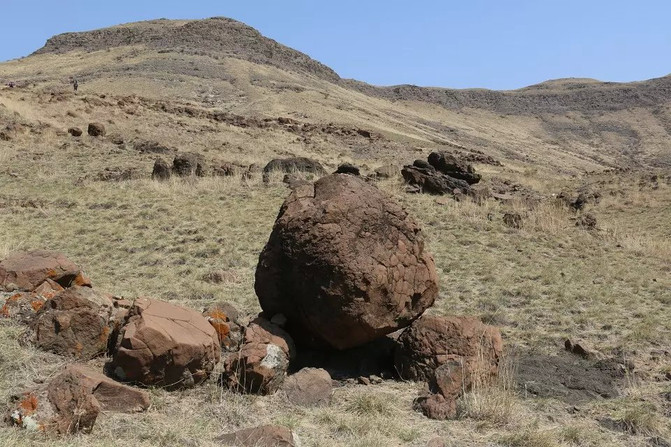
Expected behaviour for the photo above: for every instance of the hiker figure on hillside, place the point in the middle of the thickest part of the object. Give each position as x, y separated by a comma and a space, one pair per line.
75, 85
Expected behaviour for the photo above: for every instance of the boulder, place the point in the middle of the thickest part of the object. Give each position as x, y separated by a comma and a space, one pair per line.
345, 264
224, 319
347, 168
96, 130
75, 131
75, 323
188, 164
165, 345
292, 165
261, 365
27, 270
447, 352
161, 170
450, 165
436, 406
72, 401
263, 436
309, 387
226, 170
430, 181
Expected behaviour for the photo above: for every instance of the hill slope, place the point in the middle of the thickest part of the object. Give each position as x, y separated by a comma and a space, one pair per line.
571, 126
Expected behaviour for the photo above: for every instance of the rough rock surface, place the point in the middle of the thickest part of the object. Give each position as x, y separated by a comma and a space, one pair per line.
96, 130
436, 406
75, 131
387, 171
309, 387
345, 264
161, 170
432, 341
263, 436
347, 168
188, 164
261, 365
22, 306
224, 319
75, 322
431, 181
165, 345
450, 165
27, 270
72, 401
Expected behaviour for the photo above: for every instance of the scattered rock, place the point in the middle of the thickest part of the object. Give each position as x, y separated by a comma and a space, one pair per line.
189, 164
430, 181
292, 165
225, 170
119, 174
152, 147
261, 365
294, 181
27, 270
345, 264
75, 131
587, 221
436, 406
309, 387
513, 220
72, 401
224, 319
450, 165
96, 130
161, 170
75, 323
165, 345
347, 168
464, 344
263, 436
22, 306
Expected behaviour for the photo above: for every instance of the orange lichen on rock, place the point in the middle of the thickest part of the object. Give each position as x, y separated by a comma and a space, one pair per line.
222, 329
37, 305
104, 335
28, 404
217, 314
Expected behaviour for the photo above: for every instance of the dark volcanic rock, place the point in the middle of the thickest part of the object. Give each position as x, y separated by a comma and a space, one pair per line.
347, 168
96, 130
450, 165
188, 164
161, 170
345, 264
432, 182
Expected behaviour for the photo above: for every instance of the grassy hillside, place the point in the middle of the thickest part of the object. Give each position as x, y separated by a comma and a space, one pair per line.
609, 288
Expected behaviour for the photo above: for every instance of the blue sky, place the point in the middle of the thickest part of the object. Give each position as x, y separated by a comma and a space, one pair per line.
500, 44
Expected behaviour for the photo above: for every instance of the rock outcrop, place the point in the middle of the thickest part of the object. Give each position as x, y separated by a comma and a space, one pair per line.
26, 271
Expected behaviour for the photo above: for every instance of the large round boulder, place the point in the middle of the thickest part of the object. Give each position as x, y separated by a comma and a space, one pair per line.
345, 264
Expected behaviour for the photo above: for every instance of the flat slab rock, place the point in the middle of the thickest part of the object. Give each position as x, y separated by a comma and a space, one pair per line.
263, 436
72, 401
165, 345
27, 270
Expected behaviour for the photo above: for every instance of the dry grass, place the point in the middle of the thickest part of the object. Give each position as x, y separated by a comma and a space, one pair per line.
541, 284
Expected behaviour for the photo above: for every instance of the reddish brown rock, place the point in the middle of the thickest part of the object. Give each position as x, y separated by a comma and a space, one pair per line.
436, 406
345, 264
48, 289
432, 341
224, 319
27, 270
75, 131
165, 345
454, 167
261, 365
263, 436
72, 400
22, 306
309, 387
75, 322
